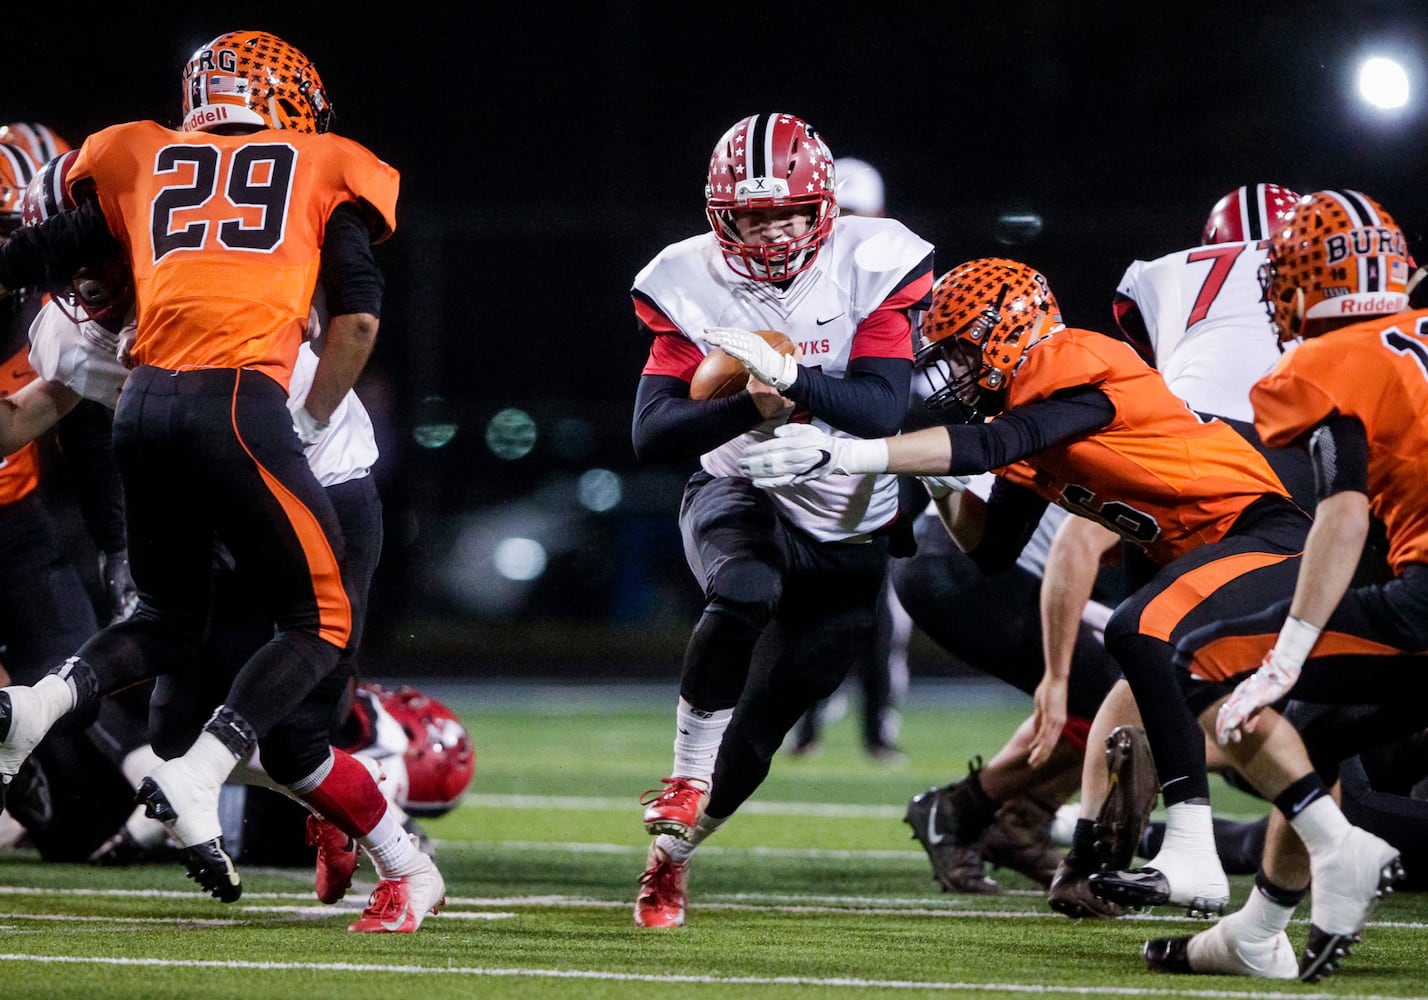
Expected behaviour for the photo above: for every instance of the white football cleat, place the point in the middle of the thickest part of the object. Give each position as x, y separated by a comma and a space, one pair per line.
1223, 951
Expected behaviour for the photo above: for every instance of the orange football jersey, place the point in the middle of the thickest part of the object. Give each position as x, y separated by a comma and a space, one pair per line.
1376, 371
19, 472
1158, 474
224, 234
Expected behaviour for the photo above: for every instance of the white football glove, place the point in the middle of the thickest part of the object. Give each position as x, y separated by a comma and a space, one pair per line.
763, 362
940, 486
800, 452
309, 428
1271, 682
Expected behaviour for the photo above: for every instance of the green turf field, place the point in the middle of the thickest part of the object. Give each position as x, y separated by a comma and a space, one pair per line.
813, 889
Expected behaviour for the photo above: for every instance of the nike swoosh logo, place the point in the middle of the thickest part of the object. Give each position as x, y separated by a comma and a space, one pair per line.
827, 457
821, 322
933, 837
401, 918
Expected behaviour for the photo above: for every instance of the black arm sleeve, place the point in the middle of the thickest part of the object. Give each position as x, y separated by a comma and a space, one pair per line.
46, 256
1339, 450
86, 438
669, 426
1026, 430
1013, 512
350, 276
870, 401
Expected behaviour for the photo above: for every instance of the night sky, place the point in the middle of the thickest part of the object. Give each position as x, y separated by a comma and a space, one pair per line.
549, 150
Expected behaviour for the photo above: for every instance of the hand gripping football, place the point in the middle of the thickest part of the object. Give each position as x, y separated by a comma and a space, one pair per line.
720, 375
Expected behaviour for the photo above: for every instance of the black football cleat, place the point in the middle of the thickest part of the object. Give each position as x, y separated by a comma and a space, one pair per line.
207, 862
1168, 955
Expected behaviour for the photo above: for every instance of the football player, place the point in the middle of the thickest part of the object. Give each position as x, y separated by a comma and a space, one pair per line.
1354, 391
1195, 316
791, 575
76, 343
1081, 421
255, 130
40, 142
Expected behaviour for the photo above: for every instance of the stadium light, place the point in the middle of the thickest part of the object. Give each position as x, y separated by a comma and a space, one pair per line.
1383, 83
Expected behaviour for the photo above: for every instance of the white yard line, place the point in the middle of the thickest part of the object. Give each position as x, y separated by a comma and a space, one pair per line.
664, 978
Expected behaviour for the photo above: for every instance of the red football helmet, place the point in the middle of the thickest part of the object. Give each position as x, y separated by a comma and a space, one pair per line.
41, 142
765, 162
1249, 212
984, 315
440, 757
253, 78
1339, 256
16, 170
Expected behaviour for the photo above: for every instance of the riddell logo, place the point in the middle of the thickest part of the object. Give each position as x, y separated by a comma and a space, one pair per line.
1373, 305
207, 116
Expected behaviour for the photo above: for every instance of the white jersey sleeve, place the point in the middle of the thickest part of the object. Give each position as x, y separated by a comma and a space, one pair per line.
78, 355
348, 449
1207, 323
864, 262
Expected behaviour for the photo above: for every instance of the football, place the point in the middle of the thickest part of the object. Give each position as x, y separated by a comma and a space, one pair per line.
720, 375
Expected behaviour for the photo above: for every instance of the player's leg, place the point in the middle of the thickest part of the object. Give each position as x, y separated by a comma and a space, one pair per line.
732, 541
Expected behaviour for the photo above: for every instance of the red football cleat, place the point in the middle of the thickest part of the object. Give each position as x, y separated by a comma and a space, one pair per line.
676, 809
664, 892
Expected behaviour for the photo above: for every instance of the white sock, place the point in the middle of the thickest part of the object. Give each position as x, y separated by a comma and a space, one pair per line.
54, 699
678, 850
391, 849
696, 740
138, 763
1262, 918
682, 850
1321, 825
1189, 827
209, 759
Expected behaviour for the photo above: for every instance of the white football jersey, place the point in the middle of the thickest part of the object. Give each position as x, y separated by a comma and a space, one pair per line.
1207, 321
863, 262
79, 356
348, 448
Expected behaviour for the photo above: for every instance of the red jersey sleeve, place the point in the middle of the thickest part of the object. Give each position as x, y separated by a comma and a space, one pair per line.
671, 352
887, 332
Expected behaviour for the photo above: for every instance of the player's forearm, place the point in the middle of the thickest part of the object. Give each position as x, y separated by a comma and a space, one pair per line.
27, 414
347, 344
921, 453
1331, 556
1071, 567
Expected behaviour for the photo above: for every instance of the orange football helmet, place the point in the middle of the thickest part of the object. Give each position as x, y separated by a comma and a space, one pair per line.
770, 161
253, 78
1339, 256
984, 315
16, 169
40, 141
1249, 212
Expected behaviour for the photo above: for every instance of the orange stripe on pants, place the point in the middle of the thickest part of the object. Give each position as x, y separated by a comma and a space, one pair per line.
1166, 610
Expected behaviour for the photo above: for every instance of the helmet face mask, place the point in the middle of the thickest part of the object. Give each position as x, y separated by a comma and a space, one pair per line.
1249, 212
1339, 258
984, 315
253, 78
764, 169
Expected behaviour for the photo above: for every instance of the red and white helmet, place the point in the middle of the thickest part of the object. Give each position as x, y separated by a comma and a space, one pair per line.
1249, 212
41, 142
770, 161
439, 757
253, 78
48, 194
